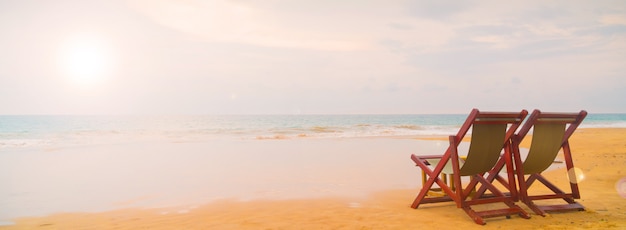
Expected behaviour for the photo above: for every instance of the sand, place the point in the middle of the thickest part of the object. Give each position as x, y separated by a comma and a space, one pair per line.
599, 153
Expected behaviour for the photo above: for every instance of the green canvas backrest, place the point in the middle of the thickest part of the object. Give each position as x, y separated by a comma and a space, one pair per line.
548, 135
489, 134
485, 147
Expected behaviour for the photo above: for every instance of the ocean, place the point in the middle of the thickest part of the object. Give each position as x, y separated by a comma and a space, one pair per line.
55, 164
23, 131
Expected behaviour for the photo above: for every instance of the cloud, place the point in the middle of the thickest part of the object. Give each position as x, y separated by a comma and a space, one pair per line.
613, 19
242, 22
326, 56
438, 10
319, 25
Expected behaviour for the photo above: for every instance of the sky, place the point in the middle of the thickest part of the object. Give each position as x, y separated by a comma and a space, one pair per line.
311, 56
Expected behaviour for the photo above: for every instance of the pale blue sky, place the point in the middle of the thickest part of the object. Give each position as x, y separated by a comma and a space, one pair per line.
310, 56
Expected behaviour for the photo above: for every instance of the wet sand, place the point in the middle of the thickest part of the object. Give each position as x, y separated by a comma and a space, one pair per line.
353, 190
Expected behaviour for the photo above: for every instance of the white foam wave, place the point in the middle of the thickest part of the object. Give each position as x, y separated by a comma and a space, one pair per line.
603, 125
70, 131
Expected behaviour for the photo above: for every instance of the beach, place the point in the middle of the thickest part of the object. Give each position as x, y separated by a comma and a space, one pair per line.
236, 114
340, 183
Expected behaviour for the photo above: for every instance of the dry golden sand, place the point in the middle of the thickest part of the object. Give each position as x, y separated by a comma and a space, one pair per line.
600, 153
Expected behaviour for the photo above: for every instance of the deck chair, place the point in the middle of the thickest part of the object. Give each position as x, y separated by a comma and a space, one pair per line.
551, 132
491, 134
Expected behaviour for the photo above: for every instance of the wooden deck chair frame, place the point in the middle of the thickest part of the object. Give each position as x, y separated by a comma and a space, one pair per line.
509, 183
491, 133
551, 133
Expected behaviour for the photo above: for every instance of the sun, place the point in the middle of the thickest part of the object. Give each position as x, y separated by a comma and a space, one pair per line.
86, 60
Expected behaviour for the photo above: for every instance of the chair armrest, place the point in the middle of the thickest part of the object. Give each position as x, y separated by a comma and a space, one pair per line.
425, 157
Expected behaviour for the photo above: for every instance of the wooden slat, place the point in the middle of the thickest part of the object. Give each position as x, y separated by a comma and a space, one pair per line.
550, 196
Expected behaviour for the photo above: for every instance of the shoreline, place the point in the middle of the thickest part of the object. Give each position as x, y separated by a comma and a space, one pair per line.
599, 152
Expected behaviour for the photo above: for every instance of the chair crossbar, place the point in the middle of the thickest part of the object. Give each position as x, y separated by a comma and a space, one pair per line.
558, 120
552, 196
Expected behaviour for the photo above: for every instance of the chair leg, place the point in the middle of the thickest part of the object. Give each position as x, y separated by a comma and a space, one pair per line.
498, 195
509, 183
422, 194
475, 216
433, 177
542, 210
523, 193
534, 207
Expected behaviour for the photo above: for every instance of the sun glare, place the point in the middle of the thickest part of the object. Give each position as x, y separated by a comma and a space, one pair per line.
86, 61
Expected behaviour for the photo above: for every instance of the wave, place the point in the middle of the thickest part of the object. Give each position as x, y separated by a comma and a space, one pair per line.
321, 129
51, 131
617, 124
411, 127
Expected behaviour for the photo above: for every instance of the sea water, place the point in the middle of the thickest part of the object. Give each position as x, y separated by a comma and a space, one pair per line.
17, 131
52, 164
